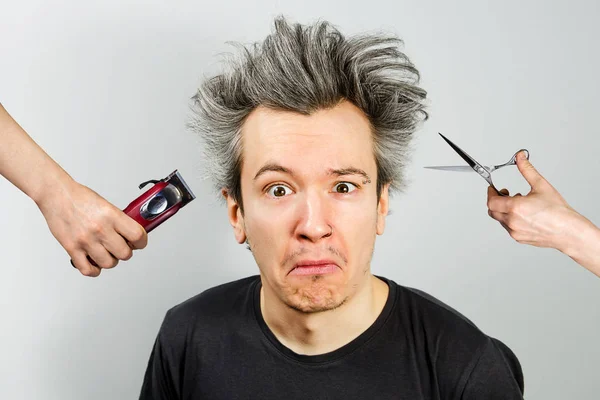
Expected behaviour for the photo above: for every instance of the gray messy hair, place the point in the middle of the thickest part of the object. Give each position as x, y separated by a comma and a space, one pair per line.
303, 69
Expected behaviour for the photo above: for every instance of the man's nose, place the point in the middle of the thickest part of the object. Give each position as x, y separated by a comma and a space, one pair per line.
313, 222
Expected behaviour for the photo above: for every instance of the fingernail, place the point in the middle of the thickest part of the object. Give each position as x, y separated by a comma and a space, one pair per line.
521, 155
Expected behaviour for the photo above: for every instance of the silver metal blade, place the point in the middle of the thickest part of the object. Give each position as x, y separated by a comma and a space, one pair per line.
462, 168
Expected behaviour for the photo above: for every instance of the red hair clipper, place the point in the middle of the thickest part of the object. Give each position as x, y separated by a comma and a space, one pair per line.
159, 203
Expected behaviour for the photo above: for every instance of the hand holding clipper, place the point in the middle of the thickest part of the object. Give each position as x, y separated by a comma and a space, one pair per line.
159, 203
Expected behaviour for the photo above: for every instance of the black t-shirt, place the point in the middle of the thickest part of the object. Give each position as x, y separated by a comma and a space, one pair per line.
217, 346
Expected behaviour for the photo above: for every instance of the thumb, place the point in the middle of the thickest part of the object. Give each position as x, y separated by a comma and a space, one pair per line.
531, 175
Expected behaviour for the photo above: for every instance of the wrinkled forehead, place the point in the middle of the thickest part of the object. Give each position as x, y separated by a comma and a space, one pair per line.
339, 137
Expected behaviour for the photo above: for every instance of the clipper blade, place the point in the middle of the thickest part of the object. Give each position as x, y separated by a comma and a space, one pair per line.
177, 180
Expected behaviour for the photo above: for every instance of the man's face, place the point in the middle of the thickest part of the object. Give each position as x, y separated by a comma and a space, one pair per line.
311, 213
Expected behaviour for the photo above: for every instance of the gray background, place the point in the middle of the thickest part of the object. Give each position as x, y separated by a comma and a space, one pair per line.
103, 87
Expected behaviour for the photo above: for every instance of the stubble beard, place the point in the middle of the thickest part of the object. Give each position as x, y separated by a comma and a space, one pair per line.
314, 298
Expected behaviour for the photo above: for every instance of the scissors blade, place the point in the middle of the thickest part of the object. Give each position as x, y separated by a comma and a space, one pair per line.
480, 169
461, 168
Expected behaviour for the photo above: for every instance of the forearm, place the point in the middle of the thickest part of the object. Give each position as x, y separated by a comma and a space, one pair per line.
24, 163
583, 246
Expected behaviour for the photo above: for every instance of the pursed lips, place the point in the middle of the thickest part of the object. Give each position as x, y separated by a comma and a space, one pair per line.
314, 267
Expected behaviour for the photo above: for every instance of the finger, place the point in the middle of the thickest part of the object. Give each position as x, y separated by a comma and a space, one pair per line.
496, 202
118, 247
531, 175
491, 192
133, 232
81, 262
501, 218
498, 216
102, 257
89, 260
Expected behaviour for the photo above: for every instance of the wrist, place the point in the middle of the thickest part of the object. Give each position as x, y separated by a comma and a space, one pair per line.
583, 244
52, 185
573, 235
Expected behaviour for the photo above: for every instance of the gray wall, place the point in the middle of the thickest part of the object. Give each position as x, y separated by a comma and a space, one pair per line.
103, 86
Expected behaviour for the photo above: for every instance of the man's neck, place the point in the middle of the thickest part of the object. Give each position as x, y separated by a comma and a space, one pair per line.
323, 332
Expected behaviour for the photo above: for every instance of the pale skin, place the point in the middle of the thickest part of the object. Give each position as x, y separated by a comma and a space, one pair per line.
83, 222
543, 218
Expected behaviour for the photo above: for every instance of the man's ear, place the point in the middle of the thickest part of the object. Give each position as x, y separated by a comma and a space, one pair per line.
236, 219
383, 208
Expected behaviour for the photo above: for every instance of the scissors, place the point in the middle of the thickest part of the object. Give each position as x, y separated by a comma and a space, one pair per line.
484, 171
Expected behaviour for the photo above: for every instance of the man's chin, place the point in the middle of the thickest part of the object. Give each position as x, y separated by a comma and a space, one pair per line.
309, 308
315, 299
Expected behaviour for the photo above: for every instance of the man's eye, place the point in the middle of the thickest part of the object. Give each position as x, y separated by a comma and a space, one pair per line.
344, 187
279, 190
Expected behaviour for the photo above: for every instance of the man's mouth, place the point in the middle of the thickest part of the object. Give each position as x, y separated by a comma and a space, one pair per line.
314, 267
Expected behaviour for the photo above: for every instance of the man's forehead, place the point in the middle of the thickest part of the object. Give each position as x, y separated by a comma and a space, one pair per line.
325, 142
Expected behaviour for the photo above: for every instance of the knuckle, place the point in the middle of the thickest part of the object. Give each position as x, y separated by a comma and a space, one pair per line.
140, 239
87, 272
71, 246
97, 228
518, 208
108, 212
510, 220
81, 240
510, 204
124, 253
94, 228
140, 234
109, 263
127, 254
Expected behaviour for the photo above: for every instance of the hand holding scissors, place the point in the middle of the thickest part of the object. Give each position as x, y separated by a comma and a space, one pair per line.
542, 218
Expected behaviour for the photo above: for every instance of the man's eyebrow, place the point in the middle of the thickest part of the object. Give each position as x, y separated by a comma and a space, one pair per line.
350, 171
273, 167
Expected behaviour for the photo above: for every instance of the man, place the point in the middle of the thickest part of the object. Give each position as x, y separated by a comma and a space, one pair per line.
306, 136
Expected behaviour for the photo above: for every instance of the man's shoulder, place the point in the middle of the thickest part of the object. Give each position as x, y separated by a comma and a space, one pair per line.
435, 308
453, 338
214, 304
436, 318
